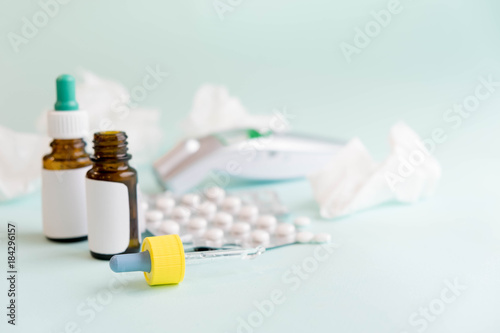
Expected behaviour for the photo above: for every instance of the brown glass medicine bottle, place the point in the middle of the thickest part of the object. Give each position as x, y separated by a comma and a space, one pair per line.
66, 164
63, 173
111, 189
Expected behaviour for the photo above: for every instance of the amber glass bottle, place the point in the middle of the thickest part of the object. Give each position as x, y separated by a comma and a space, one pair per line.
64, 169
63, 197
111, 188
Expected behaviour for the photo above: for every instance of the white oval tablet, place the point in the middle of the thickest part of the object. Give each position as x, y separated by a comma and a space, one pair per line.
240, 229
322, 238
165, 204
153, 225
266, 222
285, 229
231, 204
248, 213
214, 234
191, 200
169, 227
144, 205
197, 223
154, 215
167, 193
186, 238
304, 236
223, 220
181, 214
207, 210
215, 194
260, 237
302, 221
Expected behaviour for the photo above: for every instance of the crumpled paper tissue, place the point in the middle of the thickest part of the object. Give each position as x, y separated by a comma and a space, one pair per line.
20, 162
354, 181
110, 107
215, 110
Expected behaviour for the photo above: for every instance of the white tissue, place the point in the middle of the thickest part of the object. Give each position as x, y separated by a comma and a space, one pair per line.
110, 107
215, 110
354, 181
20, 162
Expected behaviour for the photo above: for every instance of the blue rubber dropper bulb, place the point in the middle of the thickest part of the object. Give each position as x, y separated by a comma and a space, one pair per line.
132, 262
66, 101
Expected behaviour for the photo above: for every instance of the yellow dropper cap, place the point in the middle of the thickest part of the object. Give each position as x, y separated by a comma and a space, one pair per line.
167, 259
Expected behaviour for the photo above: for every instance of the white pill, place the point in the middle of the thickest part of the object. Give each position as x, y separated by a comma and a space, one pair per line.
167, 194
153, 215
266, 222
207, 210
302, 221
304, 236
322, 238
197, 223
285, 229
144, 205
169, 227
248, 213
214, 234
240, 229
231, 204
186, 238
165, 204
181, 214
191, 200
260, 237
223, 220
153, 225
215, 194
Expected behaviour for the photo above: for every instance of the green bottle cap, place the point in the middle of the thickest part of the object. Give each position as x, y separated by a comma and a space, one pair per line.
65, 93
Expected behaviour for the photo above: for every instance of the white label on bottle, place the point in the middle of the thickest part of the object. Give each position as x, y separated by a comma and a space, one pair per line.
63, 203
108, 216
141, 213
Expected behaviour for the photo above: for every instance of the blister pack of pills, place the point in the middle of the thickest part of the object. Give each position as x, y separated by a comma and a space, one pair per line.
217, 219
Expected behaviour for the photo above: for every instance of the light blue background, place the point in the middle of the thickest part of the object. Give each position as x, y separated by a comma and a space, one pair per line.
274, 54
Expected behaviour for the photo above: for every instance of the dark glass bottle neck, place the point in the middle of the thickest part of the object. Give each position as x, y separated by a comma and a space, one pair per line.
110, 150
66, 148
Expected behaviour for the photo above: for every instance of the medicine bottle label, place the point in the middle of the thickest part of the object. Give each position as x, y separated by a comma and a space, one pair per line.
108, 215
63, 196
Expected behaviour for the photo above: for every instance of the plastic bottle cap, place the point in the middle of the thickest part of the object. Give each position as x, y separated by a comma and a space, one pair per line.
168, 263
66, 121
66, 101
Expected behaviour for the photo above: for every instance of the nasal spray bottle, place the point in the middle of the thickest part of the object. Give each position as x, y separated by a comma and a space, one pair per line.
64, 169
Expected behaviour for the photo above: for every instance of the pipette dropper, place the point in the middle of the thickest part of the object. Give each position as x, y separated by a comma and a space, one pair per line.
163, 259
